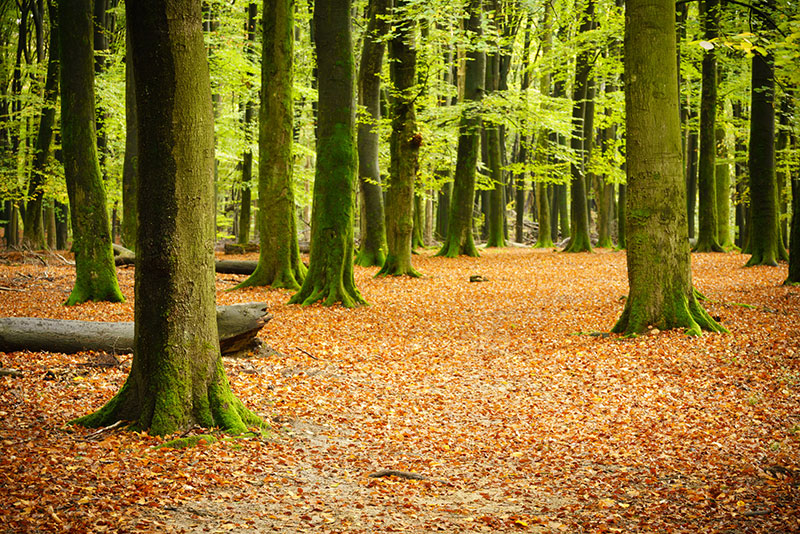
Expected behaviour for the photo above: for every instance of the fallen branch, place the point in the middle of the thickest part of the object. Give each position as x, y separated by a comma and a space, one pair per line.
11, 372
307, 353
400, 474
102, 430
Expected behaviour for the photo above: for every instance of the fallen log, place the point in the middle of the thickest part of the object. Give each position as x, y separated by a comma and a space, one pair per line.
238, 325
124, 256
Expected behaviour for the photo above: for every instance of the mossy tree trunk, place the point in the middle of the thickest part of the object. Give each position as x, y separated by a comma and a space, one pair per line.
130, 165
404, 148
459, 239
707, 209
723, 195
279, 262
545, 236
176, 379
659, 268
579, 214
496, 209
330, 271
246, 200
622, 208
33, 233
96, 277
764, 242
372, 248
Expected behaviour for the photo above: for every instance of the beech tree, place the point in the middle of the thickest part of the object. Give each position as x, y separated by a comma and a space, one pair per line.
658, 258
372, 249
404, 147
459, 239
177, 379
279, 262
34, 225
707, 228
330, 269
579, 240
96, 276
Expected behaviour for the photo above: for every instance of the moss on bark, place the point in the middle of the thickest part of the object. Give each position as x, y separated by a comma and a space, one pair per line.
659, 269
459, 240
96, 277
177, 379
279, 264
330, 271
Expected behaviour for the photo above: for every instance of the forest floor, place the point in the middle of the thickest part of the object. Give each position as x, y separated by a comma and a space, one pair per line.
495, 392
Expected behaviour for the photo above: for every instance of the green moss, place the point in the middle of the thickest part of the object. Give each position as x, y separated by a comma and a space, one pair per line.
189, 441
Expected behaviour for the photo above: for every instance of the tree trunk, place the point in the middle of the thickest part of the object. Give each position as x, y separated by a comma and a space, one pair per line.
707, 210
579, 214
764, 243
372, 249
238, 325
130, 165
622, 213
723, 193
33, 234
691, 179
279, 262
243, 236
404, 148
794, 242
96, 278
330, 271
459, 240
176, 379
659, 268
496, 212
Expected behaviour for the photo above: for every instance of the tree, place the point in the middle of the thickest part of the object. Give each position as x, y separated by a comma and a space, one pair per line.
130, 167
33, 226
707, 232
579, 240
765, 244
247, 157
96, 277
176, 378
404, 147
371, 251
659, 269
459, 239
279, 262
330, 270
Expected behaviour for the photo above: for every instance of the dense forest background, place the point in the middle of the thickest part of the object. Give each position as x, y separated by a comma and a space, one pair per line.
545, 52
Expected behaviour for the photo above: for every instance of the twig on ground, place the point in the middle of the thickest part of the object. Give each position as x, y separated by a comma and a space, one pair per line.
102, 430
307, 353
11, 372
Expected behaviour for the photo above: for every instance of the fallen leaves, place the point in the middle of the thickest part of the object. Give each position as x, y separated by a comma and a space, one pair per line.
482, 385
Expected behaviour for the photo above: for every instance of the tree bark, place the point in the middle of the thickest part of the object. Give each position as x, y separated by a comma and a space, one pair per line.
94, 263
33, 234
659, 269
279, 262
764, 244
243, 236
707, 210
404, 149
372, 249
130, 165
579, 214
459, 240
330, 272
723, 193
238, 325
176, 379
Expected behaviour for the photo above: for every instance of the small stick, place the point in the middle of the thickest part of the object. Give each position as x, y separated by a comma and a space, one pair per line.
3, 288
307, 353
11, 372
104, 429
